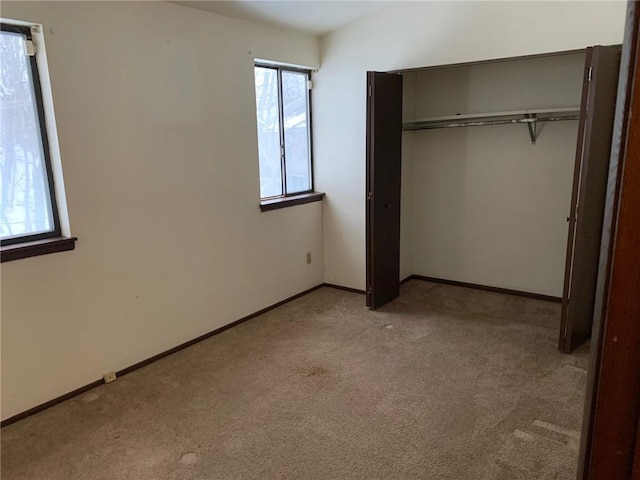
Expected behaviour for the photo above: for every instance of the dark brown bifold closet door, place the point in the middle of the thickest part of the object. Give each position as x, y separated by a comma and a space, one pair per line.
384, 159
589, 187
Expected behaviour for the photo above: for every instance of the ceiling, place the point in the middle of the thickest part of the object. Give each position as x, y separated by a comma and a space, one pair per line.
312, 16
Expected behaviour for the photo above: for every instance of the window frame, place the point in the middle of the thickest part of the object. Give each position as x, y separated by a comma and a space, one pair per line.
274, 199
56, 232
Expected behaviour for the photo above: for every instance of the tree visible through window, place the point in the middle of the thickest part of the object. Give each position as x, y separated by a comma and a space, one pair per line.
284, 134
27, 200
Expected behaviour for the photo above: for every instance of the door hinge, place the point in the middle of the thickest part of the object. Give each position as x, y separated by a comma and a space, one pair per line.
369, 290
29, 48
590, 72
369, 195
309, 84
369, 90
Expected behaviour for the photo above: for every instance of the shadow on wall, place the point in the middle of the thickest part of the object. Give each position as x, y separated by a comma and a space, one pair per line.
438, 225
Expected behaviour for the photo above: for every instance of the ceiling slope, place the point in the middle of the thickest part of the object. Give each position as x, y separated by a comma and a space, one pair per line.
316, 17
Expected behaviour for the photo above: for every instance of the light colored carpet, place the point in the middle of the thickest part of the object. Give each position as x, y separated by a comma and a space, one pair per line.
444, 383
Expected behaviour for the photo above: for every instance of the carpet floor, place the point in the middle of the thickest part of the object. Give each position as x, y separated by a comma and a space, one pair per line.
443, 383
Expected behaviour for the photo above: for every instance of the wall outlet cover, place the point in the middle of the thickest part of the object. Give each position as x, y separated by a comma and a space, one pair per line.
109, 377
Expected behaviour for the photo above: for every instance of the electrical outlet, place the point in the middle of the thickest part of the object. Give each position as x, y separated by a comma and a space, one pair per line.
308, 258
109, 377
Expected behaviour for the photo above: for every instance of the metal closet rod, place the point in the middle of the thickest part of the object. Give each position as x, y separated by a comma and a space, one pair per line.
481, 123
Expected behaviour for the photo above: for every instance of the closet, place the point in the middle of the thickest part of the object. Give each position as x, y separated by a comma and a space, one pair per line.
492, 174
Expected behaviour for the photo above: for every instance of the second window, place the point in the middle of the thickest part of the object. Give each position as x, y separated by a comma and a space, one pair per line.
284, 130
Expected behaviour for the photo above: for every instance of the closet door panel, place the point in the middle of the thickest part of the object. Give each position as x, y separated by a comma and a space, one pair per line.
587, 203
384, 159
571, 237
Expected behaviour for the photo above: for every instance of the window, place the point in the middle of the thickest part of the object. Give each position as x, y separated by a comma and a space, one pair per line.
28, 207
284, 131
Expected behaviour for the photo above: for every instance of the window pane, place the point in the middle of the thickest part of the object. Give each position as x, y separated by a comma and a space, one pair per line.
296, 131
25, 204
268, 131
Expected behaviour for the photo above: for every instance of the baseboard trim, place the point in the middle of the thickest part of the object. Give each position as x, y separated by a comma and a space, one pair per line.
155, 358
506, 291
406, 279
346, 289
51, 403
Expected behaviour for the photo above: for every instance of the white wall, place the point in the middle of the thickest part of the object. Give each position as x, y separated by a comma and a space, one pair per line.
489, 207
156, 118
414, 34
409, 104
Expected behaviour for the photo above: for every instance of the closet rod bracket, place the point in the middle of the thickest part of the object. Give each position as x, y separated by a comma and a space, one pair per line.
532, 123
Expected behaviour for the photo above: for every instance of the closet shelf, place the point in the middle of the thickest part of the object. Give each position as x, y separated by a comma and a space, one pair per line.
529, 117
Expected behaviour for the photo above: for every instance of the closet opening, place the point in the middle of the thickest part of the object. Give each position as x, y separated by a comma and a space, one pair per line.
492, 175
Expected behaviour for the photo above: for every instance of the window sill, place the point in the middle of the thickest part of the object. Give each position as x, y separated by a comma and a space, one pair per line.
39, 247
284, 202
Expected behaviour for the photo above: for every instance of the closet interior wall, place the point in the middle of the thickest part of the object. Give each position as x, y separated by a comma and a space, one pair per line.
407, 193
483, 204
